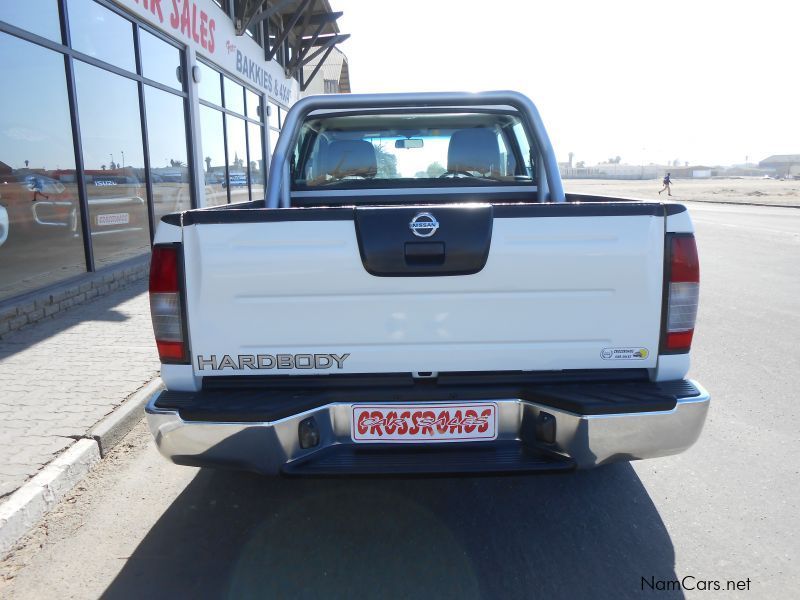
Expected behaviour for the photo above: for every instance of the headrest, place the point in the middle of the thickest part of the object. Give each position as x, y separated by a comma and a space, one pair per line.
473, 150
344, 158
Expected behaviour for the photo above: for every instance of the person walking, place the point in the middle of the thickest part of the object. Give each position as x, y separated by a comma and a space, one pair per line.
667, 183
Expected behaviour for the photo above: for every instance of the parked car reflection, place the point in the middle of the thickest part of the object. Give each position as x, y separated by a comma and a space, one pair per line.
33, 204
116, 199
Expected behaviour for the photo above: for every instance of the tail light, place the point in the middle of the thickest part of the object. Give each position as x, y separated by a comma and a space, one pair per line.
683, 291
166, 304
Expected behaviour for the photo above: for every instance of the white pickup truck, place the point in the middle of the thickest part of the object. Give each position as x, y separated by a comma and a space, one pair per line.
418, 295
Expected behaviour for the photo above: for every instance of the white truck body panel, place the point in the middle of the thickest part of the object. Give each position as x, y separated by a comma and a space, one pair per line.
554, 294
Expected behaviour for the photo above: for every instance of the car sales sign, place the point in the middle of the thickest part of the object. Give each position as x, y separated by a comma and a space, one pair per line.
204, 26
424, 423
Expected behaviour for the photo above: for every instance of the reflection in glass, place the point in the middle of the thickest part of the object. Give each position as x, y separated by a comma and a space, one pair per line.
256, 161
37, 16
234, 96
253, 105
273, 116
272, 140
40, 227
166, 134
111, 136
209, 86
213, 138
100, 33
237, 159
160, 61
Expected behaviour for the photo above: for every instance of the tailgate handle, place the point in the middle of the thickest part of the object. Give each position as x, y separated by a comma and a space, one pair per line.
424, 253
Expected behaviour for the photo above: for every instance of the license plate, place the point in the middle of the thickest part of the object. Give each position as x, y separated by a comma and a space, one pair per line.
114, 219
423, 423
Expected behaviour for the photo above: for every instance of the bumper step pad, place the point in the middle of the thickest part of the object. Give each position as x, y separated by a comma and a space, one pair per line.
367, 460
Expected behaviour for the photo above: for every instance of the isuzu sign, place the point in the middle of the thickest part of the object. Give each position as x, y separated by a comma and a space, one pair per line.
424, 225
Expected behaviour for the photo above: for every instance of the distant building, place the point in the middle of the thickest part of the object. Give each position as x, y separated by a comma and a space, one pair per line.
691, 172
332, 77
782, 164
611, 171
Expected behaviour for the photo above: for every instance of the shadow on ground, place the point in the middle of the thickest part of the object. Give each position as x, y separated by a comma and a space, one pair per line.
102, 308
234, 535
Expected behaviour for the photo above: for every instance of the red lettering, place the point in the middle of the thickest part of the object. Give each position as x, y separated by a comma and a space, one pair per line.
174, 20
391, 422
414, 429
403, 429
484, 426
362, 426
377, 418
426, 421
185, 20
195, 36
155, 5
211, 25
471, 417
455, 423
203, 29
442, 421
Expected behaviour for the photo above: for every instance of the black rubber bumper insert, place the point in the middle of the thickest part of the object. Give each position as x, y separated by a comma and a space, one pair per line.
370, 460
269, 401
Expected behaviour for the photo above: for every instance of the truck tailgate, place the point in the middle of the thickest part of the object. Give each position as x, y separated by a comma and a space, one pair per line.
493, 288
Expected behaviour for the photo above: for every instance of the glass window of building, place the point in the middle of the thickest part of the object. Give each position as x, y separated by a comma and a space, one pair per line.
111, 136
101, 33
237, 159
160, 61
272, 120
37, 16
256, 161
253, 105
213, 140
40, 227
272, 140
209, 87
234, 96
166, 137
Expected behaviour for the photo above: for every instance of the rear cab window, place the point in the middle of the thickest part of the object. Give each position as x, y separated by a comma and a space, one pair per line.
401, 149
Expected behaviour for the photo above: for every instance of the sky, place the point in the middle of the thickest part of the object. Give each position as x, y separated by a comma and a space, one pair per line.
703, 81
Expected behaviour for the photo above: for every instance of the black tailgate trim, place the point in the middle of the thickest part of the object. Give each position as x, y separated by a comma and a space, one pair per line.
503, 210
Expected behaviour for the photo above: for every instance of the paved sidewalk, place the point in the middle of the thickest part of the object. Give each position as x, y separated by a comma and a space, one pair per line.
59, 377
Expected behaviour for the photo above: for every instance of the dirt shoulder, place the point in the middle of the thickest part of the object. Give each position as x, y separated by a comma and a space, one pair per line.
738, 191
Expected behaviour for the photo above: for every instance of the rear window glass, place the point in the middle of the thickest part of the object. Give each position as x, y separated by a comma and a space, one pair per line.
353, 151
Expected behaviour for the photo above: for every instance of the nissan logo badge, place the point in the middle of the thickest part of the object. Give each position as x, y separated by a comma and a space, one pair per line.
424, 225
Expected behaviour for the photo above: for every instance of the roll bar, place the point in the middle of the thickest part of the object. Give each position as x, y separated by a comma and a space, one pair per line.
278, 184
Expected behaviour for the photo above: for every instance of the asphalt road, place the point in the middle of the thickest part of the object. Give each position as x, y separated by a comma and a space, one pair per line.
725, 510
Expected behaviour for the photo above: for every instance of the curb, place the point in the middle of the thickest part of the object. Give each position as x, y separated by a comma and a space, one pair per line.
115, 426
32, 501
25, 507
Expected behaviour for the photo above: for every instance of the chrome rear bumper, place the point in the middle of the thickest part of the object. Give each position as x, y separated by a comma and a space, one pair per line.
588, 440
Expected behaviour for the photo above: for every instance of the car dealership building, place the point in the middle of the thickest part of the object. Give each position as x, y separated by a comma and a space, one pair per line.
115, 113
